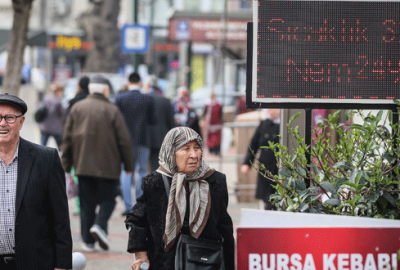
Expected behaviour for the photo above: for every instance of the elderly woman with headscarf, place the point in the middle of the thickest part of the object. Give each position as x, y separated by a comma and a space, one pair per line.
196, 204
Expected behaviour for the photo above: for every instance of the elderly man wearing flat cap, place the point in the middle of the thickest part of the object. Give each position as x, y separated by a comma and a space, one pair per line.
34, 219
96, 142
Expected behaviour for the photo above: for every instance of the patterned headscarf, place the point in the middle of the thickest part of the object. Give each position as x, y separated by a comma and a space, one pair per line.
200, 200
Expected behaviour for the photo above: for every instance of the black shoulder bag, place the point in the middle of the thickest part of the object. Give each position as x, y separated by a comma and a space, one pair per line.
197, 254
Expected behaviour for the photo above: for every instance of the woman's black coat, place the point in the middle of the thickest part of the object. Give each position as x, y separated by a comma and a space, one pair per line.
146, 221
266, 131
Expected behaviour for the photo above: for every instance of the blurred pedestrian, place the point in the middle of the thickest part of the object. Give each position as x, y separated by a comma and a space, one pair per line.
267, 131
212, 121
82, 91
185, 116
52, 125
96, 142
165, 121
139, 113
184, 198
34, 219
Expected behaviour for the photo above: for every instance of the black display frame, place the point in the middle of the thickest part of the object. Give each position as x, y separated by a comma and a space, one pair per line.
250, 103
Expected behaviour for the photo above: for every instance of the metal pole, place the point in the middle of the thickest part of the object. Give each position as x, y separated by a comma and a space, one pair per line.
221, 59
135, 58
308, 128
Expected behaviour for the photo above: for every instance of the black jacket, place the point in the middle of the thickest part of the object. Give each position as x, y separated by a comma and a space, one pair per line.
139, 112
147, 222
165, 121
42, 228
266, 131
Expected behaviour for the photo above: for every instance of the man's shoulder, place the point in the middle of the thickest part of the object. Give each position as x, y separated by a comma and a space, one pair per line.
30, 146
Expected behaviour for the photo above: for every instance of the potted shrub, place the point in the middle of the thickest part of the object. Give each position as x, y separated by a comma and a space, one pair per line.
358, 175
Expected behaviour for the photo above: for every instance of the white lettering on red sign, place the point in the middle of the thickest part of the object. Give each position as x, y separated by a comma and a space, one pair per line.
342, 261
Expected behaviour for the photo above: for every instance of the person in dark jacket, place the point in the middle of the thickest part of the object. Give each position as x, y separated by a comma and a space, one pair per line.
166, 121
139, 113
268, 130
82, 92
96, 142
34, 224
153, 222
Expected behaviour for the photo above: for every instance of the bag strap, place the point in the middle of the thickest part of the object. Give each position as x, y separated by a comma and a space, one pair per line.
166, 184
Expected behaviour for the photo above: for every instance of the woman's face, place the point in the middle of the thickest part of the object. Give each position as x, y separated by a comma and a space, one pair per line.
187, 158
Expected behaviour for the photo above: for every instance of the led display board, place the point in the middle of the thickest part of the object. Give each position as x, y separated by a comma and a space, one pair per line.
326, 52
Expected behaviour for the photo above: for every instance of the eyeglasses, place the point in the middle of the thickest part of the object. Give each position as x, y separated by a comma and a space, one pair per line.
10, 118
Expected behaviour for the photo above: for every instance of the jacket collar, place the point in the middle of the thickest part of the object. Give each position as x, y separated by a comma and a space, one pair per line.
25, 161
98, 96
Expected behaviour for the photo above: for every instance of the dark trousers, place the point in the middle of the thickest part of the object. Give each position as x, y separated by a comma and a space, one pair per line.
45, 136
95, 192
7, 264
154, 159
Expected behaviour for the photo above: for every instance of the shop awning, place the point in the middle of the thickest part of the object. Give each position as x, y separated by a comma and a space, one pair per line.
35, 38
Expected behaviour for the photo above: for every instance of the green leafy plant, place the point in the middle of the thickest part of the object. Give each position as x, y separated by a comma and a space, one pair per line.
358, 174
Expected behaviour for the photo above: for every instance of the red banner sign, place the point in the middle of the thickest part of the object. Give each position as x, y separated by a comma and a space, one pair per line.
318, 248
202, 30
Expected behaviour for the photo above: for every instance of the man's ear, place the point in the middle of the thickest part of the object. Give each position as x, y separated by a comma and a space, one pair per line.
106, 92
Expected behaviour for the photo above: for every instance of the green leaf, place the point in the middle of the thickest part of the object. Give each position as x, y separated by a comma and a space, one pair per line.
389, 157
294, 156
290, 183
353, 175
314, 189
342, 165
397, 102
332, 202
348, 186
340, 182
328, 187
303, 207
347, 114
358, 177
390, 116
314, 168
373, 197
284, 174
315, 197
273, 196
379, 116
301, 171
294, 117
389, 198
300, 184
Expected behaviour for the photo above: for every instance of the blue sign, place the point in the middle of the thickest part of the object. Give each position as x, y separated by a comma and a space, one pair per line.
135, 38
182, 30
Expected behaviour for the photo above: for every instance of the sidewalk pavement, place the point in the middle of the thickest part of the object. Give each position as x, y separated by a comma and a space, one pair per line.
117, 257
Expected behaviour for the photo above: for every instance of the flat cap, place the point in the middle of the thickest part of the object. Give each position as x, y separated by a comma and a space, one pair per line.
14, 101
99, 79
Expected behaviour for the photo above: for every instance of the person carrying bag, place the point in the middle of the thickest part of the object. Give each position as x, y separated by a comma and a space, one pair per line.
181, 220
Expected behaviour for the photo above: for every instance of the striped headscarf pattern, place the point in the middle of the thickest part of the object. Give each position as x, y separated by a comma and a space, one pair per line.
200, 200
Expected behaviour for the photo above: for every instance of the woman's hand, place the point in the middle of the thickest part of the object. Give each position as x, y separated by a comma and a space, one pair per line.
244, 169
141, 257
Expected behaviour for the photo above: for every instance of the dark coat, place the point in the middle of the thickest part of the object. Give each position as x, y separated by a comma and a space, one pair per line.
165, 113
81, 95
42, 228
147, 221
96, 140
266, 131
139, 112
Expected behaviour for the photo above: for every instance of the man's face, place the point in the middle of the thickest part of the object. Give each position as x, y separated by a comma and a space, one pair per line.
9, 133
